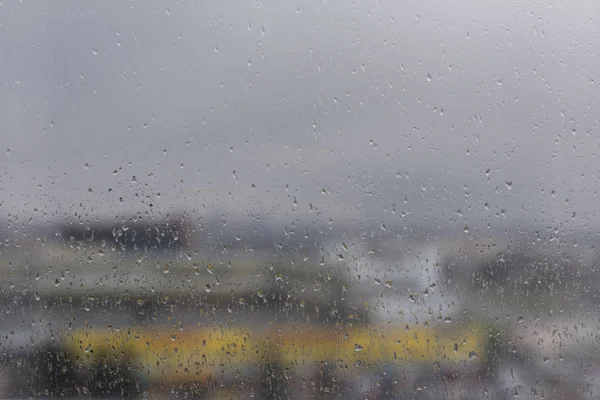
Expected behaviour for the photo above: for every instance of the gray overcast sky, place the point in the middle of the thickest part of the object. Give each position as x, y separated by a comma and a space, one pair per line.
386, 105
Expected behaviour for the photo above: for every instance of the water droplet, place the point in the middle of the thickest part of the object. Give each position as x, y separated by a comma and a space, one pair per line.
412, 298
37, 296
357, 347
428, 77
207, 288
447, 320
520, 319
508, 184
388, 284
472, 355
95, 52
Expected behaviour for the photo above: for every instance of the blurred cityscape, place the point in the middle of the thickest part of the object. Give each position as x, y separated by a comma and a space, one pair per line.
299, 199
187, 307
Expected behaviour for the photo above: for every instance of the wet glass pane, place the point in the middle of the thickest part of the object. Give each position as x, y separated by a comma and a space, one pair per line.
299, 199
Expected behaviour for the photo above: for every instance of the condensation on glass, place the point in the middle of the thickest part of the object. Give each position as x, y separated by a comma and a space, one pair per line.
299, 199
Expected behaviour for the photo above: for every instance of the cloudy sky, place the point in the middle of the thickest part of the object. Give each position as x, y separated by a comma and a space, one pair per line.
416, 112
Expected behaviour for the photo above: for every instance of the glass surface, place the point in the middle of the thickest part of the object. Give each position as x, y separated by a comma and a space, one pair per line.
299, 199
